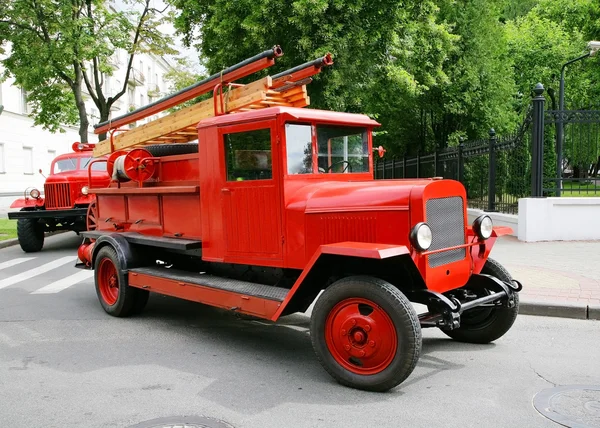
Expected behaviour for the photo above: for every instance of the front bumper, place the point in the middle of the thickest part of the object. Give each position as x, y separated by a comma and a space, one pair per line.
44, 214
445, 311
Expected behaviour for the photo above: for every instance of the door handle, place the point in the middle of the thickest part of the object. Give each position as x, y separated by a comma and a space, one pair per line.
225, 191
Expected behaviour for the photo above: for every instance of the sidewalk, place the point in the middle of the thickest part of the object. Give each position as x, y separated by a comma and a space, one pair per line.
559, 278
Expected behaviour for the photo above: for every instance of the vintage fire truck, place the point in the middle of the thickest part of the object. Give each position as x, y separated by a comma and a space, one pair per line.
276, 206
66, 199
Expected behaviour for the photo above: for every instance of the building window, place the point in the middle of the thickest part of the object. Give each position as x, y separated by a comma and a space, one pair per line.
28, 160
2, 163
142, 101
248, 155
24, 106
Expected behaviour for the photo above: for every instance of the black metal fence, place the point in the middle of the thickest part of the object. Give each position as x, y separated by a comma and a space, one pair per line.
576, 136
495, 171
554, 153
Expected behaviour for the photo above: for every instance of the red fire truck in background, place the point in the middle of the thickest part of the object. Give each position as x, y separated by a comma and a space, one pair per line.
276, 206
66, 199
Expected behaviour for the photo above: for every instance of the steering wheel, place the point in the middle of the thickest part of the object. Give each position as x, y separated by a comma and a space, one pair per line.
348, 167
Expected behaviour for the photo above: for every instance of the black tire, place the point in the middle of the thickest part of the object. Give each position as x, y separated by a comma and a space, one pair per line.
160, 150
389, 300
484, 325
31, 234
126, 295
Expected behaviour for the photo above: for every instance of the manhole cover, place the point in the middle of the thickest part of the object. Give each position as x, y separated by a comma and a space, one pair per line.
576, 406
183, 422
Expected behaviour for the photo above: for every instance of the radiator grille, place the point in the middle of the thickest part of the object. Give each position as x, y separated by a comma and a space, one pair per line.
445, 217
57, 195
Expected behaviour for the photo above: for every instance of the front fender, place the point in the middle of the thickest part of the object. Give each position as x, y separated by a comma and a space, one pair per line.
361, 250
28, 203
480, 253
85, 199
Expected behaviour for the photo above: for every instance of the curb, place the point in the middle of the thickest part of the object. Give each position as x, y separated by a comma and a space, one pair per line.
8, 243
559, 309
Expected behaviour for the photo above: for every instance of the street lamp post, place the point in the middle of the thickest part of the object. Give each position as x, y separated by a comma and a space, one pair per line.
593, 48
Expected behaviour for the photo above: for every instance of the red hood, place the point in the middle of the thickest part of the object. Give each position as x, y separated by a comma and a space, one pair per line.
338, 196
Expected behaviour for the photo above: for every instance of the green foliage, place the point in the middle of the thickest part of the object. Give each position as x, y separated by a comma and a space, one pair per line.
429, 71
54, 48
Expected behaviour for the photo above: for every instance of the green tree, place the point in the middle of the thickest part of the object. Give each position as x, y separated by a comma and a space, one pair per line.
56, 48
386, 52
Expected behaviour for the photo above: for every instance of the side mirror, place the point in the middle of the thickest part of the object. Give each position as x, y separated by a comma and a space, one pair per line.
41, 173
380, 151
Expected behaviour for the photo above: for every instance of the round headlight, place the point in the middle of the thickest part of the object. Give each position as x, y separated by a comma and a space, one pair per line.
35, 193
85, 190
483, 226
421, 237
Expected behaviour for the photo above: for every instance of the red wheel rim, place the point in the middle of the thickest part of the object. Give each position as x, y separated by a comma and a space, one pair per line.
108, 281
92, 216
361, 336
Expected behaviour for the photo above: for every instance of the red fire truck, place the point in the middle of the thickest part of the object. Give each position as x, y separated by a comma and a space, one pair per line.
66, 198
276, 206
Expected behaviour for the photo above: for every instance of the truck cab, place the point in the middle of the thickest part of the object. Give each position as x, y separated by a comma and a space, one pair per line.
65, 200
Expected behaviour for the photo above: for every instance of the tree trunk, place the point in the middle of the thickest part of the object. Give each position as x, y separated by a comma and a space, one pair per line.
79, 101
104, 115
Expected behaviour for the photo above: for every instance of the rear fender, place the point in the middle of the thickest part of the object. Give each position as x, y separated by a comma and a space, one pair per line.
28, 203
481, 252
390, 262
128, 256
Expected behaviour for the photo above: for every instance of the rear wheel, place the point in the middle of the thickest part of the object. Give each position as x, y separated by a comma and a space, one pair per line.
486, 324
366, 333
116, 296
31, 234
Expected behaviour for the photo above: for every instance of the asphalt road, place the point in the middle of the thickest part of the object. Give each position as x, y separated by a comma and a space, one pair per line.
65, 363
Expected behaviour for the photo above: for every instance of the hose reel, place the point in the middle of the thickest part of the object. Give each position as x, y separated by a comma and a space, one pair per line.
136, 165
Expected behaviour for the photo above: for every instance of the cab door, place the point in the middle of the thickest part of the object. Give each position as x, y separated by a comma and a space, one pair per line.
251, 194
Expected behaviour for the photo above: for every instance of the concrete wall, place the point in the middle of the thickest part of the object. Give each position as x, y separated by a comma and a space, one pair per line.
559, 219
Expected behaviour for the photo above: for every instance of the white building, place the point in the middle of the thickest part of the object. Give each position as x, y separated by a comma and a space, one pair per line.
24, 149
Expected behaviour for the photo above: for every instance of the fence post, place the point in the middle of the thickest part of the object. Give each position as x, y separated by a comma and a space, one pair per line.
537, 141
492, 170
404, 166
435, 156
394, 168
461, 162
418, 163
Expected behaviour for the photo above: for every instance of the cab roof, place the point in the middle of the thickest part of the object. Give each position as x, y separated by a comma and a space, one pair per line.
290, 114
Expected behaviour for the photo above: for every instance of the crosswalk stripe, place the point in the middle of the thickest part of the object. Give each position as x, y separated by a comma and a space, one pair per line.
64, 283
36, 271
14, 262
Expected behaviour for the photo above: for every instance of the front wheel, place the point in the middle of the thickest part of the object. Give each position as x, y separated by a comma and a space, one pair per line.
486, 324
31, 234
366, 333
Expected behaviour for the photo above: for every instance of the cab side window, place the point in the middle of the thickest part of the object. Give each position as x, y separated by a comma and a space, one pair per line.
248, 155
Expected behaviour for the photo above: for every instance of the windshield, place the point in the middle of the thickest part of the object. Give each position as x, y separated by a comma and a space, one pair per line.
64, 165
340, 149
98, 166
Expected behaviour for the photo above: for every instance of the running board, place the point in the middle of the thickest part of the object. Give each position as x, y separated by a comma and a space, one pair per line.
247, 297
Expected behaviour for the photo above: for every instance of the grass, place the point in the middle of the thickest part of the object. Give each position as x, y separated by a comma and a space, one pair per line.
580, 189
8, 229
